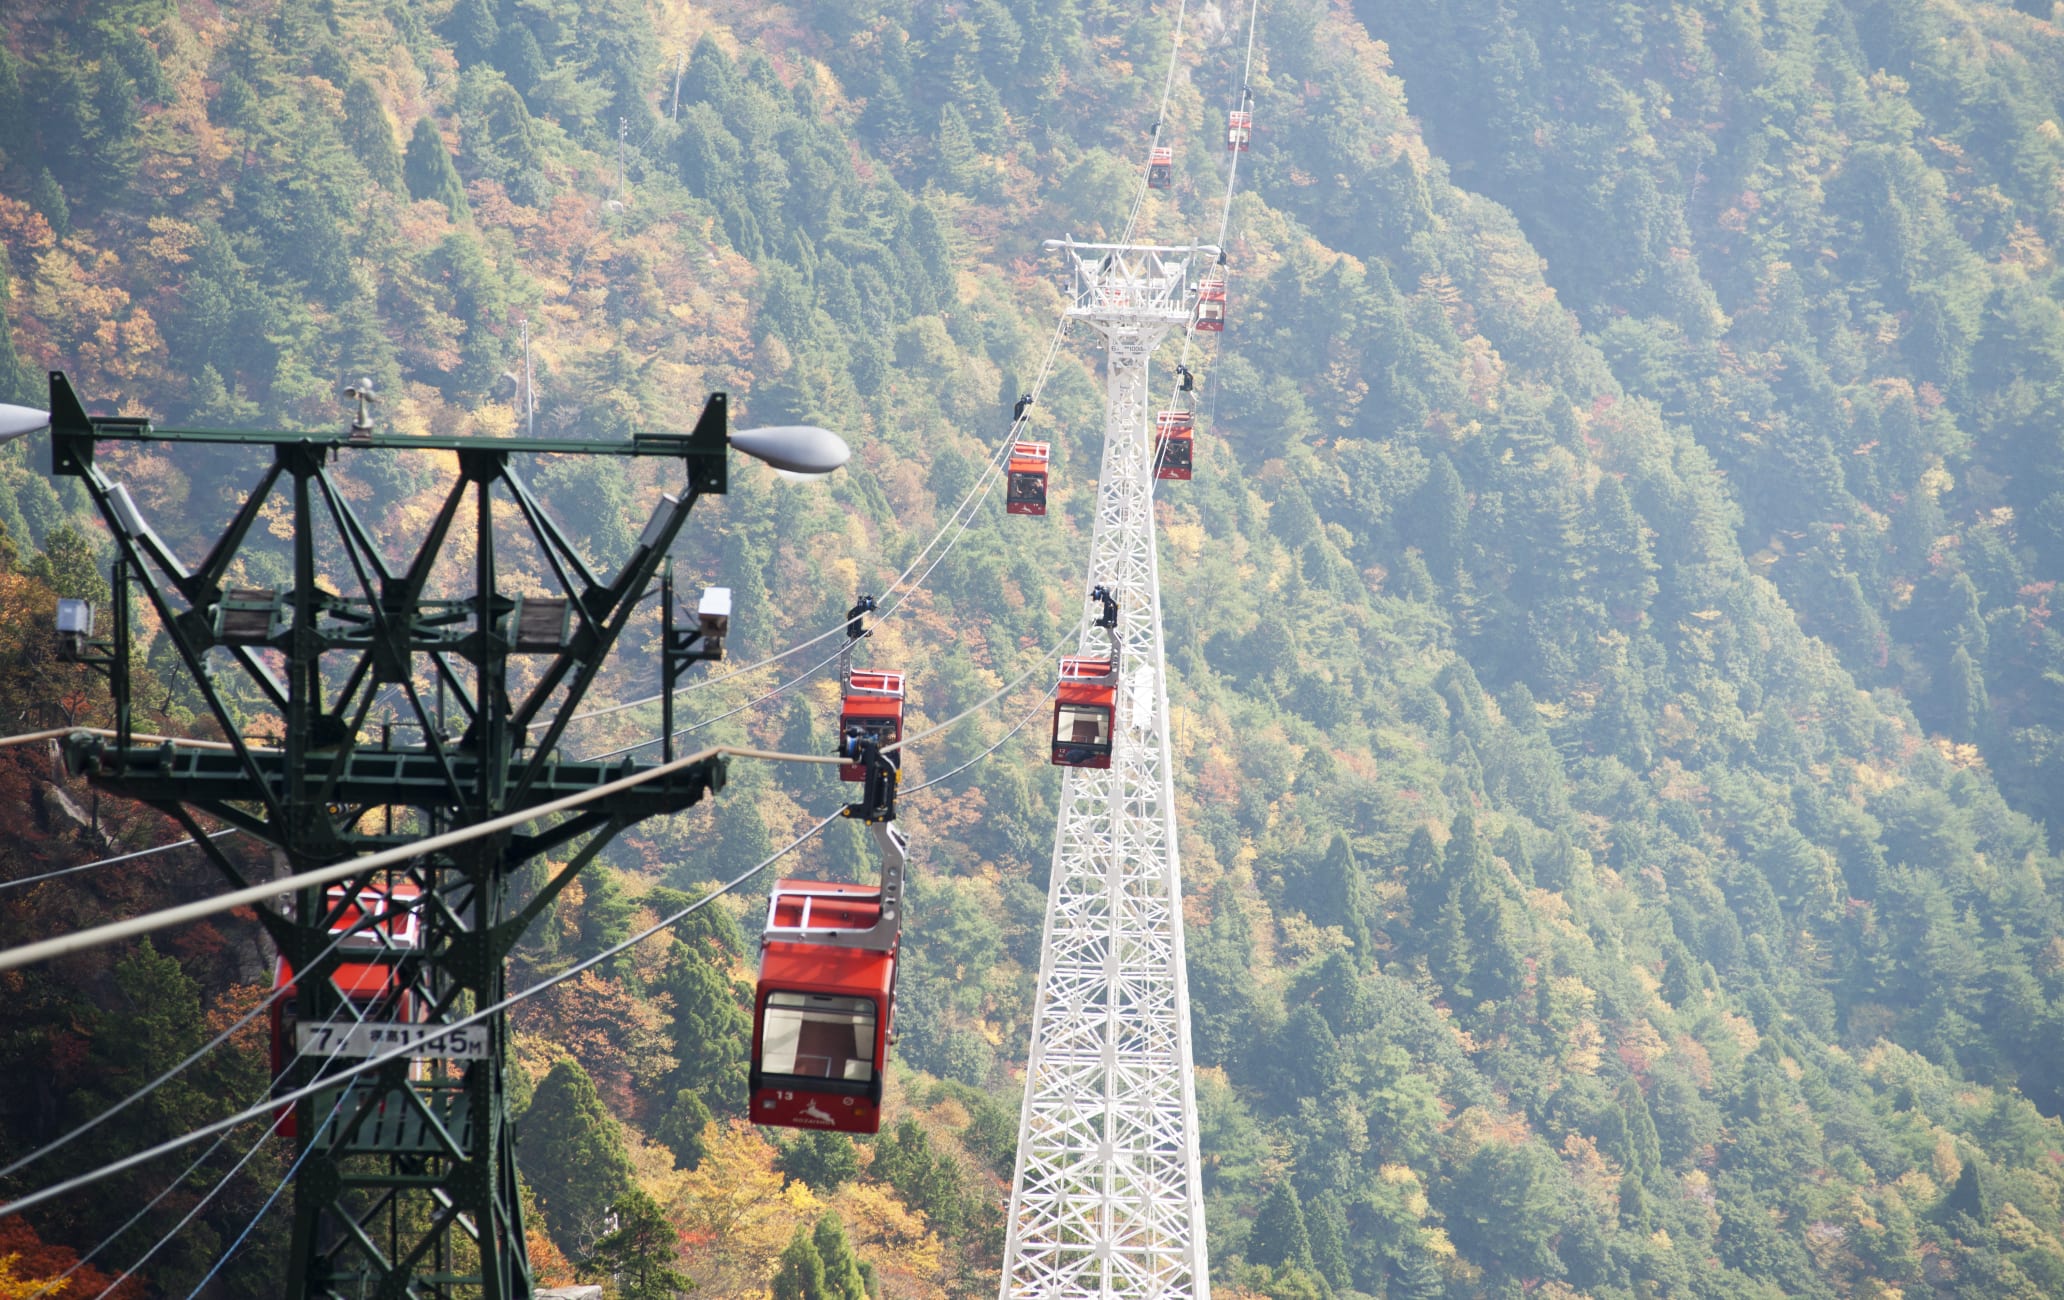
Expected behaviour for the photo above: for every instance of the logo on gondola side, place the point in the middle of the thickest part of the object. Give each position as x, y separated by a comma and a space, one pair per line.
814, 1115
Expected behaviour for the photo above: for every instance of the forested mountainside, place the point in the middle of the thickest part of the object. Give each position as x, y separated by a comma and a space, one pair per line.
1618, 720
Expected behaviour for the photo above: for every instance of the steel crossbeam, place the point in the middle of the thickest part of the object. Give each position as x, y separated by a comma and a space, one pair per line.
1107, 1200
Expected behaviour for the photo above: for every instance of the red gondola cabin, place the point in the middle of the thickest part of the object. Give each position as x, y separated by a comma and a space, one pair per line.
1239, 130
1160, 167
1174, 439
368, 983
1024, 490
1085, 709
1211, 301
823, 1011
874, 709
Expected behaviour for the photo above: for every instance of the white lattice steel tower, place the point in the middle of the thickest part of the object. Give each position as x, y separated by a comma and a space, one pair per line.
1107, 1201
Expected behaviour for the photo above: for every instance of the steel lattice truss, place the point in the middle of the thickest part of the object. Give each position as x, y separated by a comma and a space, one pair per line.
1107, 1200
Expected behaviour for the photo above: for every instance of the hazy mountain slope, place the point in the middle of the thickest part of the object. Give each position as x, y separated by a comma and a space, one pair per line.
1826, 250
1565, 916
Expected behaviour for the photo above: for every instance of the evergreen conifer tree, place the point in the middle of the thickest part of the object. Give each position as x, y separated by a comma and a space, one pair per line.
932, 247
1337, 990
1327, 1228
681, 1129
1623, 577
16, 383
473, 30
929, 1181
801, 1273
1969, 1196
1443, 519
1636, 1214
521, 61
1424, 888
605, 911
1308, 1060
843, 1279
47, 197
1280, 1236
1336, 894
573, 1155
1631, 1138
236, 104
116, 124
642, 1254
428, 169
710, 1031
371, 135
1221, 980
1418, 1278
1970, 711
1513, 848
16, 137
825, 1161
1477, 936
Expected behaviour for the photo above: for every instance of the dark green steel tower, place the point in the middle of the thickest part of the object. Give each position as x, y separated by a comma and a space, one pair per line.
407, 1178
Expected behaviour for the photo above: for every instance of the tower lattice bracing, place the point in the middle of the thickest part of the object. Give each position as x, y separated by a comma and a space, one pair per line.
1107, 1200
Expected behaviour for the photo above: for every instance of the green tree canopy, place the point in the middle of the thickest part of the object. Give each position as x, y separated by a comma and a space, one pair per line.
573, 1155
428, 171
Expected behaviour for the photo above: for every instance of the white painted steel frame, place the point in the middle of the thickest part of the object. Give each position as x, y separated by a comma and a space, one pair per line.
1107, 1200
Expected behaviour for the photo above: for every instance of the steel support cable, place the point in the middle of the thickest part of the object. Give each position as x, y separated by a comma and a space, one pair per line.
1139, 196
1225, 219
1037, 704
733, 712
363, 923
221, 1139
886, 749
51, 1286
114, 931
92, 1176
958, 521
980, 489
109, 862
58, 733
152, 921
1000, 742
964, 514
706, 682
287, 1178
292, 1170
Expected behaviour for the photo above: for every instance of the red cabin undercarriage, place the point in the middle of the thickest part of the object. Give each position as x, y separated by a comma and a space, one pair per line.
369, 985
1025, 485
1161, 167
1239, 130
822, 1016
1174, 443
873, 710
1085, 707
1211, 302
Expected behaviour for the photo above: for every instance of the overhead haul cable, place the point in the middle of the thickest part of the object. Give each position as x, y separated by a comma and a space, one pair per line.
1139, 197
114, 931
1225, 216
92, 1176
109, 862
50, 1285
394, 908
